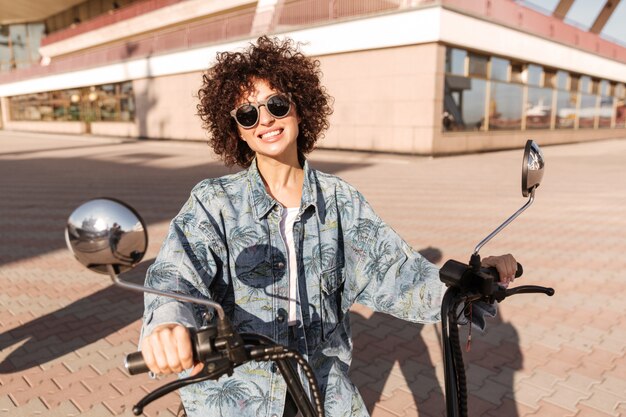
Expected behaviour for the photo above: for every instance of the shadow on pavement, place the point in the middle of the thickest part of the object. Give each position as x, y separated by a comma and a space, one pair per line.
490, 376
72, 327
494, 358
38, 195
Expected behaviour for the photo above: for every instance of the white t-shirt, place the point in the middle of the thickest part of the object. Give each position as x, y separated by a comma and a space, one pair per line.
286, 230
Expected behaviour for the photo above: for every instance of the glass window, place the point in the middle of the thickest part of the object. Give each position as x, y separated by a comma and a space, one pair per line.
108, 102
606, 88
35, 33
111, 102
585, 84
574, 83
89, 107
5, 52
549, 79
499, 69
595, 86
517, 73
127, 102
561, 80
505, 106
565, 109
620, 105
19, 46
620, 113
605, 112
587, 113
534, 73
477, 66
455, 61
74, 105
60, 105
539, 108
464, 103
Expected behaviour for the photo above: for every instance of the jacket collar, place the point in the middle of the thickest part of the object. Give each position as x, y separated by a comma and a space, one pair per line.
262, 202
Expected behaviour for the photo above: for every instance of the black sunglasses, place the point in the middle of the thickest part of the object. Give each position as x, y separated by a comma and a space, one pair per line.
247, 115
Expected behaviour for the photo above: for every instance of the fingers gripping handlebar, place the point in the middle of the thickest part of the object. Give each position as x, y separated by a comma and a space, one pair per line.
470, 279
215, 351
202, 343
475, 282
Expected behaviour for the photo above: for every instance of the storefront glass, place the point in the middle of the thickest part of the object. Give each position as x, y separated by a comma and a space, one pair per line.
110, 102
505, 106
509, 92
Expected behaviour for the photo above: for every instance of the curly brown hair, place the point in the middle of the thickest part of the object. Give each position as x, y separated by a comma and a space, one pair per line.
287, 70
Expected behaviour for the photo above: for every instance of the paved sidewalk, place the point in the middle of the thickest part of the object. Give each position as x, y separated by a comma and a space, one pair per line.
64, 330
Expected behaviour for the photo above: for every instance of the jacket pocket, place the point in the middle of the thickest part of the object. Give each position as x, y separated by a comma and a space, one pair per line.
331, 289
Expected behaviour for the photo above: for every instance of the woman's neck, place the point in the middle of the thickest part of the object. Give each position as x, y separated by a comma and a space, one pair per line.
283, 179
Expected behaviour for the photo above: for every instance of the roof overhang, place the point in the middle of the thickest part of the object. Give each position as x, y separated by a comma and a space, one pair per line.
12, 11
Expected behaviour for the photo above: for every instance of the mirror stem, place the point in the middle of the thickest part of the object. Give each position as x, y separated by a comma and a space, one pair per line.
506, 223
181, 297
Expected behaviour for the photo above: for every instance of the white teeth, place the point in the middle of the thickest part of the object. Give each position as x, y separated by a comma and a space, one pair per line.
270, 134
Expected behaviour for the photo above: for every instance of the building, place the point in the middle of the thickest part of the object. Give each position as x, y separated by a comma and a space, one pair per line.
409, 76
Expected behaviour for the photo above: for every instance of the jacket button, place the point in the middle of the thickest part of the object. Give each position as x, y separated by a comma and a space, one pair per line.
281, 315
280, 265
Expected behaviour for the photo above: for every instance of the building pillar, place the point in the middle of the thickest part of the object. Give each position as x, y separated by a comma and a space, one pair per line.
266, 15
4, 111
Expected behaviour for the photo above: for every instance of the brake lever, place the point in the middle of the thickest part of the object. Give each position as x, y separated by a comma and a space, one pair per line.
213, 369
501, 293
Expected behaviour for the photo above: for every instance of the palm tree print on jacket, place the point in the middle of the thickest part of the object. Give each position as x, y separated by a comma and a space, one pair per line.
225, 244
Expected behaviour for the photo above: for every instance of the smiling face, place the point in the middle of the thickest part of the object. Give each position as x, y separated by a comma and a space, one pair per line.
273, 138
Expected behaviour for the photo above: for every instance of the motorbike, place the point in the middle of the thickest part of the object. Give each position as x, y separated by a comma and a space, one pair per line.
108, 236
470, 283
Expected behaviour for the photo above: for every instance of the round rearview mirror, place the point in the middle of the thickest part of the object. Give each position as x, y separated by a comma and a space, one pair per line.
532, 167
105, 232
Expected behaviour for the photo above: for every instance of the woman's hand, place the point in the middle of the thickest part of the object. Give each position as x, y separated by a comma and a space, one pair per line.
506, 266
168, 350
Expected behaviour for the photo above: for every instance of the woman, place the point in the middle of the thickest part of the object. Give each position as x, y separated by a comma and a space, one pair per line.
284, 248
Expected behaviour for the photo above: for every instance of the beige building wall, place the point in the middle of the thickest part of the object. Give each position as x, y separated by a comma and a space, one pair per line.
459, 142
121, 129
74, 128
383, 101
383, 98
4, 115
166, 107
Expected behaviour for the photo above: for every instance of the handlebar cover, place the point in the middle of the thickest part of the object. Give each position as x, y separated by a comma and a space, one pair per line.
496, 276
201, 342
469, 280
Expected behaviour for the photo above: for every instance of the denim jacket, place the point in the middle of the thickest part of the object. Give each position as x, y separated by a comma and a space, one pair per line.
225, 244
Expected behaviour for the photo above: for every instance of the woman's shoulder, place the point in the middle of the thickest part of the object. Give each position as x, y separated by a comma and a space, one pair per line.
326, 180
219, 187
333, 184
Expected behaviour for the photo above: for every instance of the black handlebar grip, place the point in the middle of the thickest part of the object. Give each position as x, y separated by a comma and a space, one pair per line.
494, 272
202, 344
135, 364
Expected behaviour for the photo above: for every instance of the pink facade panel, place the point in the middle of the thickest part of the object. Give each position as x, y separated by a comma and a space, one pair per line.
291, 16
516, 16
128, 12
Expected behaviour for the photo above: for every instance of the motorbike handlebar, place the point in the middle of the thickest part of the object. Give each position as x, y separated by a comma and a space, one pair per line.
496, 276
202, 343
